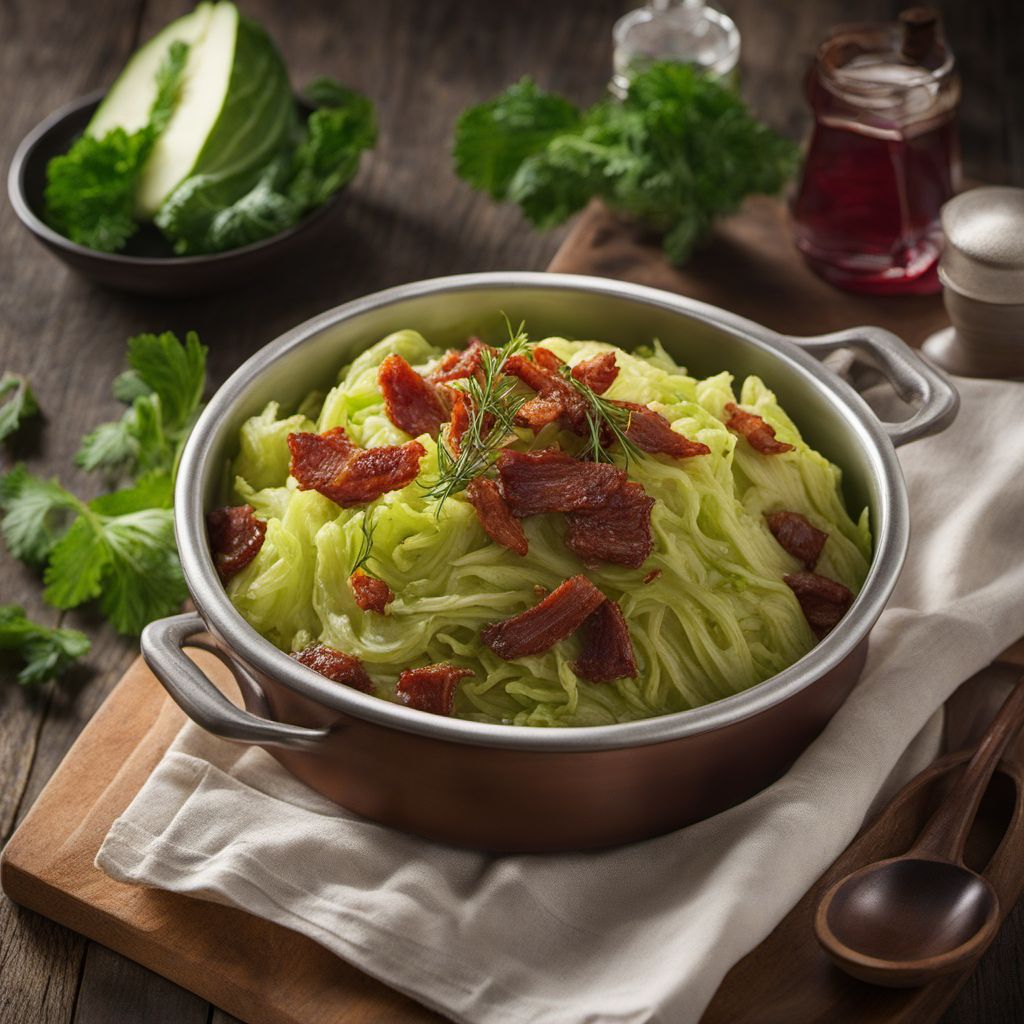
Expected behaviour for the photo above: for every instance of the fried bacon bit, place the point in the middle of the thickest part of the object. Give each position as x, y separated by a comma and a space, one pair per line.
598, 372
653, 433
619, 532
236, 536
552, 481
336, 666
556, 397
607, 647
459, 363
824, 601
371, 594
411, 403
651, 576
539, 628
536, 413
331, 464
495, 516
797, 536
540, 591
431, 688
458, 424
761, 435
546, 358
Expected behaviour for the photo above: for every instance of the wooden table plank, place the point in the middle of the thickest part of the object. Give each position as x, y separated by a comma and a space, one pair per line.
111, 980
407, 217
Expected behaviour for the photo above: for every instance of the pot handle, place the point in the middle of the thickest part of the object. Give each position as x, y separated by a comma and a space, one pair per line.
913, 379
163, 644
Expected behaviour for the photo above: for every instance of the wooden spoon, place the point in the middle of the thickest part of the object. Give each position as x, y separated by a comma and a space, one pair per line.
904, 921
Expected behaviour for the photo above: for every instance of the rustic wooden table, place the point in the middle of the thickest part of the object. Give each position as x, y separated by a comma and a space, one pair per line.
406, 217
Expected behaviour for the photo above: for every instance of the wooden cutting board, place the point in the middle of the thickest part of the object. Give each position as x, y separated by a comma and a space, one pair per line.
265, 974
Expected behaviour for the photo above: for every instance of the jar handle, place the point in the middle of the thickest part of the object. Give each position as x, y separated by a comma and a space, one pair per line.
163, 644
912, 378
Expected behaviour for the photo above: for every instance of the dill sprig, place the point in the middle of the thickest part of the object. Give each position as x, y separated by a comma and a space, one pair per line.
602, 415
368, 527
493, 400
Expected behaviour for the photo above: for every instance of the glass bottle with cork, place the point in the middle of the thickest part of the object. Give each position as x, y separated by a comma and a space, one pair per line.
883, 155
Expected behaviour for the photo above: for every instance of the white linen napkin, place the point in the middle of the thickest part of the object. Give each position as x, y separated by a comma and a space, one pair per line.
644, 932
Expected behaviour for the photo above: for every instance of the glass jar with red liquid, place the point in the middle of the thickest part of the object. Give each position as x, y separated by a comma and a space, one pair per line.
883, 155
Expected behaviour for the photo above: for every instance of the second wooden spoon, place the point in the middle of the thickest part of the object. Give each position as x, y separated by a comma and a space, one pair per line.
903, 921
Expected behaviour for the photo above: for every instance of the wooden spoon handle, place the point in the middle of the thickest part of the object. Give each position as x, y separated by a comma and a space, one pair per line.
946, 833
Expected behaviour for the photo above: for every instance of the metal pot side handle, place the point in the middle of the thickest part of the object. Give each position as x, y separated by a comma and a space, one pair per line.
913, 379
163, 644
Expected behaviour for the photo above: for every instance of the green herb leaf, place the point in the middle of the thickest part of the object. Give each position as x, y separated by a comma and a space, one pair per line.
165, 385
367, 526
328, 156
46, 652
679, 151
77, 565
36, 513
90, 190
493, 139
17, 403
110, 445
173, 371
121, 550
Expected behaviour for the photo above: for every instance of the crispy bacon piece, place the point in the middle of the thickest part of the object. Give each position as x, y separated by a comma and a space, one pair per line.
431, 688
318, 458
607, 647
651, 576
371, 594
539, 628
824, 601
802, 540
459, 423
537, 413
411, 403
619, 532
495, 516
331, 464
558, 398
552, 481
760, 434
459, 363
598, 372
546, 358
653, 433
336, 665
236, 536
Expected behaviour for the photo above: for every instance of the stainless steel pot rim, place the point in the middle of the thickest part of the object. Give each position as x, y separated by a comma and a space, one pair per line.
891, 535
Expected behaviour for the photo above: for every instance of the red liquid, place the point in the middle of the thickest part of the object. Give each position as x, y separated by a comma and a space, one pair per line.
867, 213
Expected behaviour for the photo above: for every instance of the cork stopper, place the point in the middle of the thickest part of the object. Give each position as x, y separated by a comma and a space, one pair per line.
922, 27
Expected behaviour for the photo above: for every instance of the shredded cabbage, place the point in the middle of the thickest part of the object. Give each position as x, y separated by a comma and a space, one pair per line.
717, 619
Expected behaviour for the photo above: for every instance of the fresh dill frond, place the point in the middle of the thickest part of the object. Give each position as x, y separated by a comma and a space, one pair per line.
492, 400
602, 415
368, 527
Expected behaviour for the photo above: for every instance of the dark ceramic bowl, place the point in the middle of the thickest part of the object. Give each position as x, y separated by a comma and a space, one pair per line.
148, 263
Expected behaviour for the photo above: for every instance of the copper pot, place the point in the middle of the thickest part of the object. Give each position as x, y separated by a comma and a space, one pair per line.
517, 788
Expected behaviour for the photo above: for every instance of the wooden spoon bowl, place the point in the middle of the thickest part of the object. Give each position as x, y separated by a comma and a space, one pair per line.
900, 922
